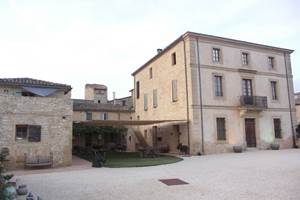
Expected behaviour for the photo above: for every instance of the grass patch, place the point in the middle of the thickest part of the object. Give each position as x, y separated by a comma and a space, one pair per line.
133, 159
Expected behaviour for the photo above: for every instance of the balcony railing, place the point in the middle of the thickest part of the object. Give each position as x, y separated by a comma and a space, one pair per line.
256, 102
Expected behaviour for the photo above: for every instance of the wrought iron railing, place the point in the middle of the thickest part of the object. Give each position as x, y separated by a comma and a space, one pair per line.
254, 102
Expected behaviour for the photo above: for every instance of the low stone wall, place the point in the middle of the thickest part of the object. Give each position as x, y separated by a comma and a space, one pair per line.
54, 115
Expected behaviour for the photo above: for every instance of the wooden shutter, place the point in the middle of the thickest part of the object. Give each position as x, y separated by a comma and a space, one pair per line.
221, 132
277, 127
174, 90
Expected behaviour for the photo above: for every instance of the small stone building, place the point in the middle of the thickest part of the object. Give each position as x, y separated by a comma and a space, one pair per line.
36, 119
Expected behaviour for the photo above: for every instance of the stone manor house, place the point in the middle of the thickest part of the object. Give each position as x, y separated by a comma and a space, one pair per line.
204, 92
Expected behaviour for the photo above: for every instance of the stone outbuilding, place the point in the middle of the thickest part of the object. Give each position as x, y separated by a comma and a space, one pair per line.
35, 119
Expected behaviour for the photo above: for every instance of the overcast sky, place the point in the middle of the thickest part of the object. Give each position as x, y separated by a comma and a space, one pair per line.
87, 41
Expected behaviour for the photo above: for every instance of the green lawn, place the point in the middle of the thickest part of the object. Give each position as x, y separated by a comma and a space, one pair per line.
132, 159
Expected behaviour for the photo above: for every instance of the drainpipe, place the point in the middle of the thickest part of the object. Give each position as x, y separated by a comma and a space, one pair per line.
289, 98
187, 97
200, 98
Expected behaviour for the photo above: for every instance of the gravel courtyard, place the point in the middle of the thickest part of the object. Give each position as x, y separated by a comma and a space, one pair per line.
251, 175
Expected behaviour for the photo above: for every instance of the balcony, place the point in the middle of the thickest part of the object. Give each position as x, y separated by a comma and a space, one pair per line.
254, 102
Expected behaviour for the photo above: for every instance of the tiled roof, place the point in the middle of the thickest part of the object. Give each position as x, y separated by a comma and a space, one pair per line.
89, 105
33, 82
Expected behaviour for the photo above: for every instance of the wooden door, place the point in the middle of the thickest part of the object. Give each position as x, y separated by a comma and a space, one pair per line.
250, 132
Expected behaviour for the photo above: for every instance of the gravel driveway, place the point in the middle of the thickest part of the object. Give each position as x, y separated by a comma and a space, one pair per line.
251, 175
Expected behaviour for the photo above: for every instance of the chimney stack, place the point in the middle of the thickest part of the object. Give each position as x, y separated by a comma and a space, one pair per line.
114, 98
159, 51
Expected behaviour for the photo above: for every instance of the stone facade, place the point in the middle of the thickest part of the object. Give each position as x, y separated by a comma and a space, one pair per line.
53, 114
194, 55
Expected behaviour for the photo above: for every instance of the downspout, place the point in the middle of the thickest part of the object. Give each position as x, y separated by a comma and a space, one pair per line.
200, 98
289, 98
187, 98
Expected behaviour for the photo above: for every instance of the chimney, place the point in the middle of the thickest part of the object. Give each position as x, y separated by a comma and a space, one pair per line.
114, 98
159, 51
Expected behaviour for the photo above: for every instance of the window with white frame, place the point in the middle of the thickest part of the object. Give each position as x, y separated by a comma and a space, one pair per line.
218, 85
245, 58
154, 98
271, 62
145, 102
174, 91
216, 55
274, 90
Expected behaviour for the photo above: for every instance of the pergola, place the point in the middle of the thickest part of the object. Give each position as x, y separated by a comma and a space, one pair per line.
127, 122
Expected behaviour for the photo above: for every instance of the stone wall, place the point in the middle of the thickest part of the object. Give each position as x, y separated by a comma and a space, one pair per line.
54, 115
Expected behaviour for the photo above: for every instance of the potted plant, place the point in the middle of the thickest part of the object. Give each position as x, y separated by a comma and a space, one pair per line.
7, 189
275, 146
237, 149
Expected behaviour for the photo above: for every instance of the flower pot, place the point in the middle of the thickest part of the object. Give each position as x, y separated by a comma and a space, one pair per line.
237, 149
275, 146
22, 190
9, 193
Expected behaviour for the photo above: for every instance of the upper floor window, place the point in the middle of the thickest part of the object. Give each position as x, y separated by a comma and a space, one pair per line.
32, 133
245, 58
247, 87
216, 55
145, 102
218, 85
174, 90
137, 89
89, 115
274, 90
271, 62
155, 98
173, 58
98, 91
277, 127
104, 116
150, 73
221, 131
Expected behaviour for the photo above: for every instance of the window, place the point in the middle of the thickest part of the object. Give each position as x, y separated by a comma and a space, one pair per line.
216, 55
277, 127
21, 132
245, 58
98, 91
247, 87
155, 98
150, 72
5, 91
218, 86
271, 62
137, 89
173, 58
221, 131
174, 90
104, 116
123, 103
32, 133
145, 102
89, 115
274, 90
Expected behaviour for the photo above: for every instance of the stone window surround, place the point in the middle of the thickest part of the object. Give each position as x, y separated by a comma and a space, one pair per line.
252, 78
27, 135
216, 129
223, 86
277, 91
248, 58
273, 128
274, 68
220, 54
